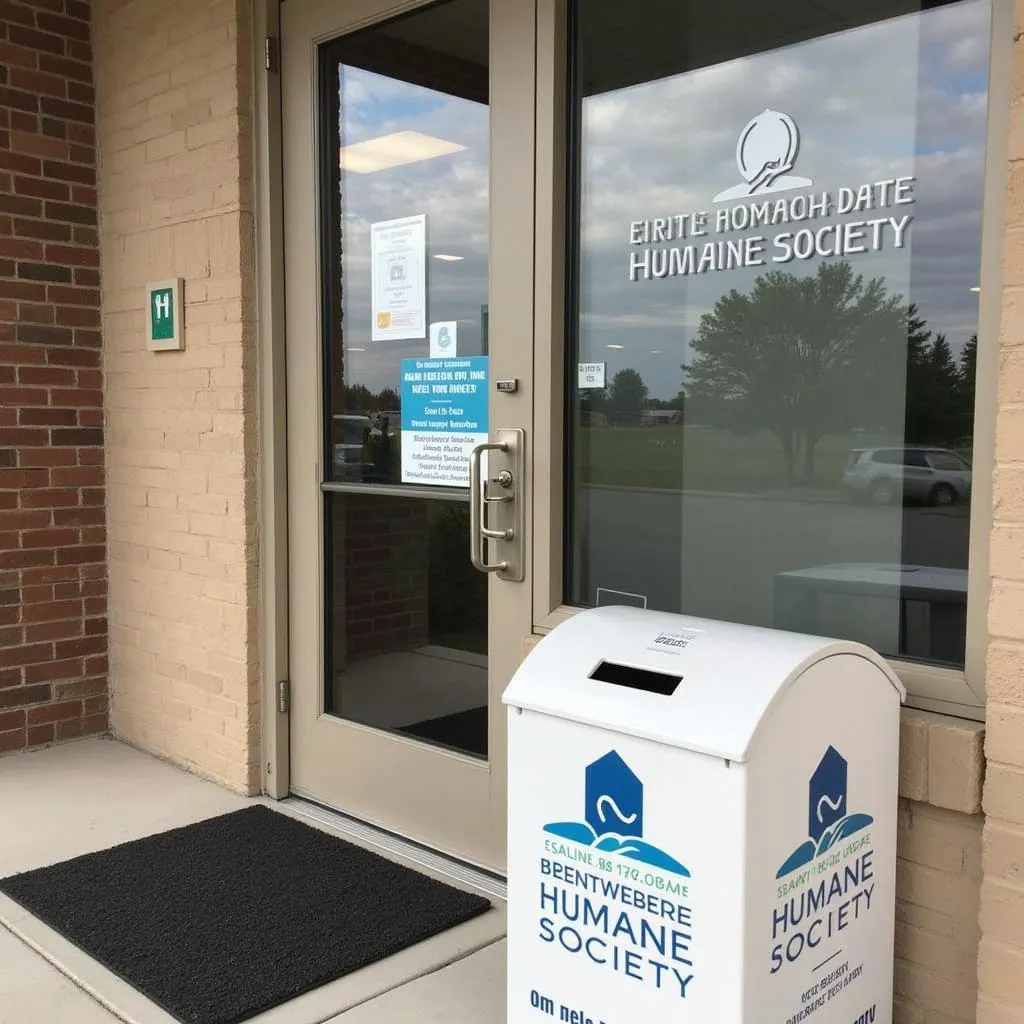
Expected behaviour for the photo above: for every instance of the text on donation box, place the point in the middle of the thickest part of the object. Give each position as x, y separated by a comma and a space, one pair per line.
618, 894
828, 917
444, 417
609, 903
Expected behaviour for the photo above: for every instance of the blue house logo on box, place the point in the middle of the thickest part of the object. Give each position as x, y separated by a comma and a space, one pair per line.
614, 813
827, 819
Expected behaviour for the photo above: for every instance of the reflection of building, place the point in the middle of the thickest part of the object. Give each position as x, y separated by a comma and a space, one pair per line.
914, 610
660, 417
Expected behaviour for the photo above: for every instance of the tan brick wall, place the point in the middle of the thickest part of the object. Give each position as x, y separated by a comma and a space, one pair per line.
938, 876
1001, 960
173, 80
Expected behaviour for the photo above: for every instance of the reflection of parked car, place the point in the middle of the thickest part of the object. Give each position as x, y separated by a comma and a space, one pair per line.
348, 453
937, 476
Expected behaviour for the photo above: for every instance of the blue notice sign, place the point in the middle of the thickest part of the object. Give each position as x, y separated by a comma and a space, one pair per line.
444, 417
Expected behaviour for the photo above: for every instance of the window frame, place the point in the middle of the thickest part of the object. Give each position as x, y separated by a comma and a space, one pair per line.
944, 690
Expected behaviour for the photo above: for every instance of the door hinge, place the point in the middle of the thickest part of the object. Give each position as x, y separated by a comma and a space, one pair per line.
284, 696
270, 53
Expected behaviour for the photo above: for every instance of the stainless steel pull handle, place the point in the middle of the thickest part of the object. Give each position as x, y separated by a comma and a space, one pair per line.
497, 512
478, 501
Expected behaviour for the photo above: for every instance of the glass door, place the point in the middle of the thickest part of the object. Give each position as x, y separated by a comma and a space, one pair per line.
404, 309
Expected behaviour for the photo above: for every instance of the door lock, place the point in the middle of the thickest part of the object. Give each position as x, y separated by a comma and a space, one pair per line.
504, 479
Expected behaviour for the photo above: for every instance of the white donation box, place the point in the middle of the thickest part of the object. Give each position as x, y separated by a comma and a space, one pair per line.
702, 825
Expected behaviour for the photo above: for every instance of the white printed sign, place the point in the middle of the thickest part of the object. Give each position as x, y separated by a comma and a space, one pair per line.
673, 643
591, 375
444, 339
398, 258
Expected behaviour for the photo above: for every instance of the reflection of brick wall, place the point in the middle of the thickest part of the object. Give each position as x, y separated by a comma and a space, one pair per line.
382, 550
53, 576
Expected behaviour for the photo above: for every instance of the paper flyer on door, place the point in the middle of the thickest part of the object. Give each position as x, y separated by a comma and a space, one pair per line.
444, 417
398, 266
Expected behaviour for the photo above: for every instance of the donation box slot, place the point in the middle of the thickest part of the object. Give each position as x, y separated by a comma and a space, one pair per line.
636, 678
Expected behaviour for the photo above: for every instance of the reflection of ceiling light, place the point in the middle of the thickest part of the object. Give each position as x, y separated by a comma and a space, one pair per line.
448, 257
356, 350
616, 346
656, 352
394, 150
975, 289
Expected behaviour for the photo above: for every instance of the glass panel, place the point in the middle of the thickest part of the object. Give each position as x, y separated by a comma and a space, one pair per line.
775, 284
405, 292
407, 173
408, 648
947, 461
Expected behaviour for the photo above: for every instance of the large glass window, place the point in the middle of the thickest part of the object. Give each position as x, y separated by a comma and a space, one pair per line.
774, 312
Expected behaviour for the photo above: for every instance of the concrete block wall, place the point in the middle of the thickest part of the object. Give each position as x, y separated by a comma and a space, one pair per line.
53, 587
174, 96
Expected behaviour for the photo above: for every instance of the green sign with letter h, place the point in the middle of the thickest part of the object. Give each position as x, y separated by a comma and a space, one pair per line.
161, 313
165, 315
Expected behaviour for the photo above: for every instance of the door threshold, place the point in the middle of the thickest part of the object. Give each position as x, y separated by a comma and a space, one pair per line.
392, 845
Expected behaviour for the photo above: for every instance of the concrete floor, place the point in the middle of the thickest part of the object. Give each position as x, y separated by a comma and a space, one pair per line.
86, 796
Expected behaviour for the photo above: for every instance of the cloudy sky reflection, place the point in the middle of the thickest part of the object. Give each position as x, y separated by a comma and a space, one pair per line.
451, 190
906, 96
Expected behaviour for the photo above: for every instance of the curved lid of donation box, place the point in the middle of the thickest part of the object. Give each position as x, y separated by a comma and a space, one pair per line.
691, 683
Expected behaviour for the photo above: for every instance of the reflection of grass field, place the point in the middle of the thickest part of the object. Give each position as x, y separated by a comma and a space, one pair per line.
712, 460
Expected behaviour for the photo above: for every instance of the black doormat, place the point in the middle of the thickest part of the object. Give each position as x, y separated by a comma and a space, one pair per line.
464, 730
226, 918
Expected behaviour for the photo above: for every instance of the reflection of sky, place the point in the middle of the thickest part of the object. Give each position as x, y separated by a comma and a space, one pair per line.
905, 96
450, 190
902, 97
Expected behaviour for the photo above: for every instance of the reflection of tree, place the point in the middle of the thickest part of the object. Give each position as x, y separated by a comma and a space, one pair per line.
627, 396
808, 356
933, 388
457, 596
967, 378
360, 399
388, 400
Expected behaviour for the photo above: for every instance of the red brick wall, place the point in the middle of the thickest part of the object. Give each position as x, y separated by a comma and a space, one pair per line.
53, 631
382, 558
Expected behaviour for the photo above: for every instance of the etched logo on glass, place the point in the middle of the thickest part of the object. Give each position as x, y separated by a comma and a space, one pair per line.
766, 152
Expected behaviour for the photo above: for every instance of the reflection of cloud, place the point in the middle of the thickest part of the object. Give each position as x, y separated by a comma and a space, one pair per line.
677, 316
903, 96
968, 52
785, 78
451, 190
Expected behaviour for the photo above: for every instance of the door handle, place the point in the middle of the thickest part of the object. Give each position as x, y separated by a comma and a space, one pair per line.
504, 472
478, 531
